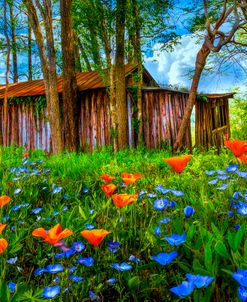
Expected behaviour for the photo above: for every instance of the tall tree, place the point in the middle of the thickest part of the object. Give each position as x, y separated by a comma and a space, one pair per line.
48, 64
13, 42
215, 38
121, 105
70, 100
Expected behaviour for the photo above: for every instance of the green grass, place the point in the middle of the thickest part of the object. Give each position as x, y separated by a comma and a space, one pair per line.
213, 247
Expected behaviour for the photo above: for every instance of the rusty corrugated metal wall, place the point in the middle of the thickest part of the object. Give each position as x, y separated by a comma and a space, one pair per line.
162, 114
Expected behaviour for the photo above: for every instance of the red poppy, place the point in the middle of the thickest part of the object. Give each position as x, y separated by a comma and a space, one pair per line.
2, 227
94, 237
178, 163
122, 200
54, 235
24, 155
243, 158
3, 245
130, 178
107, 178
4, 200
237, 147
109, 189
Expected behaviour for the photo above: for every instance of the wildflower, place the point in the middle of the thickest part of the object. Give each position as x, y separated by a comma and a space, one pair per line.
177, 193
109, 189
40, 271
3, 245
12, 287
162, 190
113, 246
4, 200
189, 211
237, 226
12, 260
36, 211
111, 281
211, 172
121, 200
2, 227
164, 220
242, 174
199, 281
242, 293
243, 158
213, 182
122, 266
78, 246
51, 291
75, 278
223, 177
107, 178
17, 191
93, 296
89, 226
223, 187
129, 178
232, 168
85, 190
88, 261
230, 213
183, 290
243, 210
56, 189
54, 235
54, 268
94, 237
241, 277
134, 259
157, 231
237, 147
165, 258
178, 163
175, 239
161, 204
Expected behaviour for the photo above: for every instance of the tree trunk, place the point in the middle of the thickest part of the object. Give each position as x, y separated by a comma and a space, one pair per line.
48, 66
199, 66
29, 52
5, 101
121, 104
70, 100
14, 46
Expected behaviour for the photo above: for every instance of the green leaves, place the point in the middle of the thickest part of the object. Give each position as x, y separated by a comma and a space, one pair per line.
221, 249
234, 239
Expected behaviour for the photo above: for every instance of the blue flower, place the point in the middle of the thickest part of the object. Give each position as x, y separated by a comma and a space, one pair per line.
177, 193
88, 261
243, 210
85, 190
19, 206
157, 231
54, 213
223, 187
162, 190
213, 182
175, 239
223, 177
242, 293
93, 296
51, 291
160, 204
236, 195
75, 278
56, 189
232, 168
12, 260
65, 208
12, 287
220, 172
199, 281
183, 290
242, 174
111, 281
172, 204
89, 226
113, 244
17, 191
142, 194
122, 266
210, 173
165, 258
164, 220
134, 259
241, 277
36, 211
54, 268
40, 271
237, 226
230, 213
78, 246
152, 195
72, 268
189, 211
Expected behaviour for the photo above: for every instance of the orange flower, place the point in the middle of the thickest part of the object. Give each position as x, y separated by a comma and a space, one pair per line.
2, 226
237, 147
94, 237
109, 189
54, 235
129, 178
4, 200
24, 155
3, 245
107, 178
178, 163
243, 158
122, 200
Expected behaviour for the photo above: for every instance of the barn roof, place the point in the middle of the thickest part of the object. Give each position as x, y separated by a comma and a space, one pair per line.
85, 80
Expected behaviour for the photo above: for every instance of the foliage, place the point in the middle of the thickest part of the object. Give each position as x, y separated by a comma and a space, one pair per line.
67, 189
238, 117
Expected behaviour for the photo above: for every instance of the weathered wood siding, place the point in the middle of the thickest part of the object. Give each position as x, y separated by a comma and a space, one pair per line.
212, 123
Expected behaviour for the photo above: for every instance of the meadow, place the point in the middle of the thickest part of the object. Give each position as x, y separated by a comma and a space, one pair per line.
173, 236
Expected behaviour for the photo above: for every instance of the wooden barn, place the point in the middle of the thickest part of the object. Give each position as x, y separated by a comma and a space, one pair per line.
162, 112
